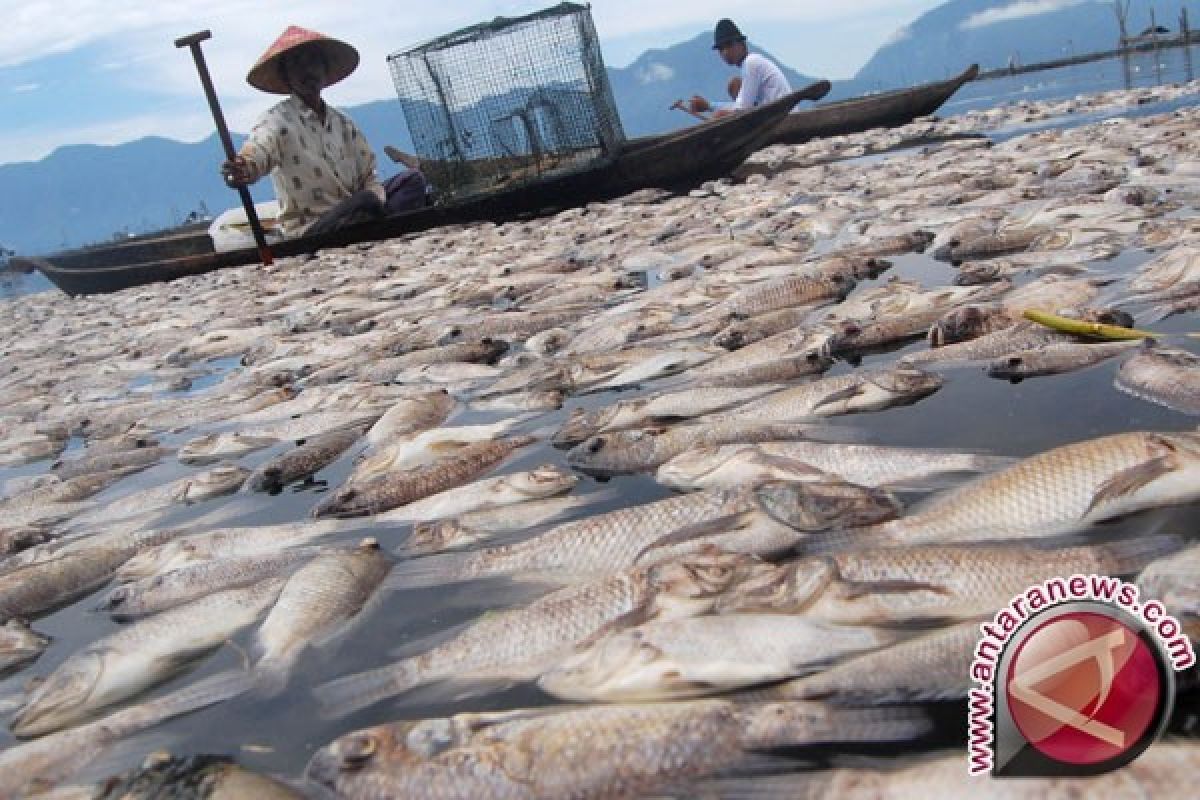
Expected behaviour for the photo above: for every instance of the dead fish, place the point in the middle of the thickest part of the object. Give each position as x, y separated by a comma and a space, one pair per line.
867, 465
29, 767
742, 332
123, 664
220, 480
520, 643
63, 576
302, 461
796, 290
1062, 490
175, 587
537, 753
410, 414
90, 462
520, 401
316, 601
214, 447
476, 527
1167, 376
1022, 336
425, 447
19, 646
989, 245
928, 667
969, 322
391, 490
842, 394
937, 583
487, 493
1175, 581
653, 409
1165, 770
645, 449
225, 543
203, 777
1054, 359
676, 659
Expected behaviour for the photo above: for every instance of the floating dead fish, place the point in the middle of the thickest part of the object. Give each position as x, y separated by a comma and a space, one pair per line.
1164, 375
1054, 359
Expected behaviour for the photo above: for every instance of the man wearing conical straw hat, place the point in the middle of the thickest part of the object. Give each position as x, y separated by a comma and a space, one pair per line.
321, 165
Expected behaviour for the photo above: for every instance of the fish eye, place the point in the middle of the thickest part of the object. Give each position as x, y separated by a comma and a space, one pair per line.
596, 444
357, 750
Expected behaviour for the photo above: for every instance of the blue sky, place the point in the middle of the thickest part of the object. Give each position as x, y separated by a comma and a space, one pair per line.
93, 72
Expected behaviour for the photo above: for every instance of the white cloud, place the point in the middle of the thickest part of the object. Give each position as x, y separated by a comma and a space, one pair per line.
1018, 10
900, 35
655, 72
27, 87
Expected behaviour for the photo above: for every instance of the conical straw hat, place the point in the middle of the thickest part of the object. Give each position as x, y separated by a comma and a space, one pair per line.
266, 75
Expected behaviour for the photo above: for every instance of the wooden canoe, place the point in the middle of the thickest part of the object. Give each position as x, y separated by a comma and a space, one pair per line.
884, 110
673, 161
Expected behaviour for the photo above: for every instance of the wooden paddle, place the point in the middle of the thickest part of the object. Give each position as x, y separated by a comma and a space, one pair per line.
193, 42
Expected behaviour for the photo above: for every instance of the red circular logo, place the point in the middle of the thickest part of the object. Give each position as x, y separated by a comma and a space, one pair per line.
1084, 688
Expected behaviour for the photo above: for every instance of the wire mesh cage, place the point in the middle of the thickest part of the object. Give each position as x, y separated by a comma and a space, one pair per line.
508, 102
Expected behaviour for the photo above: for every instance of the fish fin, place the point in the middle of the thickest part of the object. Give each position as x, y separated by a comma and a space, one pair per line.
428, 571
711, 527
847, 393
629, 619
355, 692
1130, 480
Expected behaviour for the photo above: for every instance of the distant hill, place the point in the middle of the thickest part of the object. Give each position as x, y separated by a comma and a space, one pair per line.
943, 41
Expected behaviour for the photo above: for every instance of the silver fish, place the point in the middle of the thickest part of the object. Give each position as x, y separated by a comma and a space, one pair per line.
675, 659
19, 646
125, 663
1164, 375
302, 461
593, 752
517, 487
1053, 359
519, 644
318, 599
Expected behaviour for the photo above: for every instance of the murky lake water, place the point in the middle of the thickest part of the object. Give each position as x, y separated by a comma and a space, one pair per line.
971, 412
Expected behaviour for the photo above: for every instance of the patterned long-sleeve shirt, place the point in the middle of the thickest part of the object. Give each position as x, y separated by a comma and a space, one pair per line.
313, 164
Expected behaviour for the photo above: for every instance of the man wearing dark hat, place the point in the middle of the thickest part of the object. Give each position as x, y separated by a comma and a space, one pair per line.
321, 165
762, 81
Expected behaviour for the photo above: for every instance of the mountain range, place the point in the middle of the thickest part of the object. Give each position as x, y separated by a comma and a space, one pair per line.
88, 193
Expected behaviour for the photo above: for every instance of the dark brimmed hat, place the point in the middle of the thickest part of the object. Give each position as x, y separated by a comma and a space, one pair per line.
266, 75
726, 33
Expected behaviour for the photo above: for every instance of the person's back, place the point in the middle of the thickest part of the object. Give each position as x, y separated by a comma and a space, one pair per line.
761, 81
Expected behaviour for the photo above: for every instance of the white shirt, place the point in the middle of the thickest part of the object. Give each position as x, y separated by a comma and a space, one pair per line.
762, 82
314, 165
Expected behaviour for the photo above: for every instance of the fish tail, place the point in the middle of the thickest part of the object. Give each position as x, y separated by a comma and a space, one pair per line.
355, 692
1129, 556
429, 571
271, 674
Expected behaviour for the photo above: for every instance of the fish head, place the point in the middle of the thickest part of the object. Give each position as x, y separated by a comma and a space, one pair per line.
872, 267
432, 537
821, 505
907, 382
613, 667
691, 584
973, 273
361, 751
1108, 316
18, 639
61, 699
200, 449
960, 324
789, 587
1014, 367
582, 424
733, 336
220, 480
612, 452
544, 481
